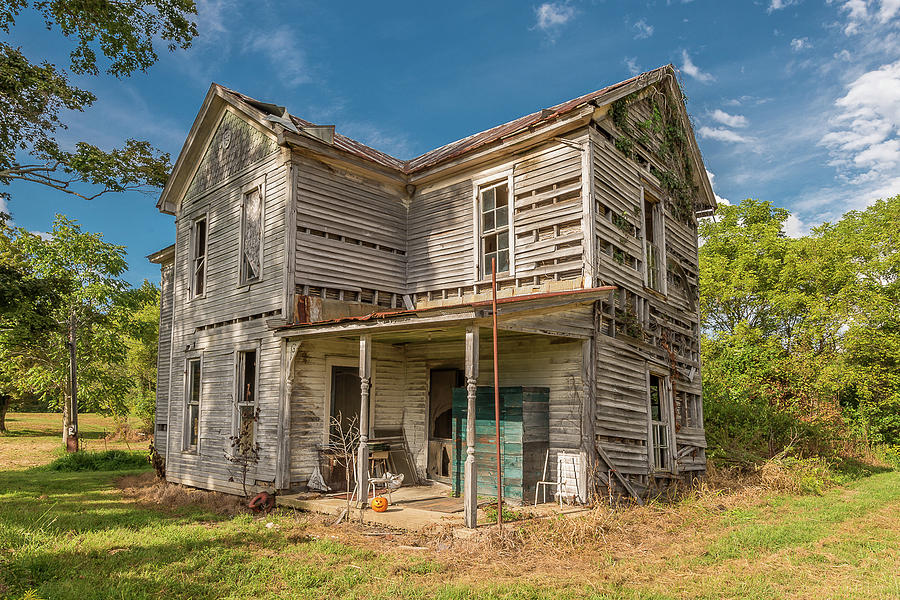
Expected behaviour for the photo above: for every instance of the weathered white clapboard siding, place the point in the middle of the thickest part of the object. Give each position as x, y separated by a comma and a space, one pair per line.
622, 421
441, 240
229, 316
164, 355
548, 213
351, 231
217, 348
310, 404
617, 193
225, 298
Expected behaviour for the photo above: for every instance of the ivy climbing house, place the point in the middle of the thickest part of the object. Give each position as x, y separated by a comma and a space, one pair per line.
317, 284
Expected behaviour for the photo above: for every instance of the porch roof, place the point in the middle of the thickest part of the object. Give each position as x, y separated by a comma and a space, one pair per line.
512, 312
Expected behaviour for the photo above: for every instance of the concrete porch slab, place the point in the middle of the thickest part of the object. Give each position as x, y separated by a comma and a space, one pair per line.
406, 512
402, 513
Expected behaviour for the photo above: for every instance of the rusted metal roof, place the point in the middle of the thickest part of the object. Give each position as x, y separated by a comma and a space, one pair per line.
467, 144
375, 316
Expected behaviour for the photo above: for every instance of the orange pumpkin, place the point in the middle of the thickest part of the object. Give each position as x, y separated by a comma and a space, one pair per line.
379, 504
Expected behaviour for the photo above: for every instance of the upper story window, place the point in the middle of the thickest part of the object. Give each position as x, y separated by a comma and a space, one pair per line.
251, 235
198, 257
495, 233
192, 405
654, 244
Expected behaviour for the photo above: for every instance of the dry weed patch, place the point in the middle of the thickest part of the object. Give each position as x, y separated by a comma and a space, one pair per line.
146, 489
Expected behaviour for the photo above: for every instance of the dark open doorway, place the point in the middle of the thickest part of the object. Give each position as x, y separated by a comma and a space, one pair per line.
345, 396
345, 400
440, 413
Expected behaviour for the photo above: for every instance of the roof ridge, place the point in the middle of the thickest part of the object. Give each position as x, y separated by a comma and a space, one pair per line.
462, 145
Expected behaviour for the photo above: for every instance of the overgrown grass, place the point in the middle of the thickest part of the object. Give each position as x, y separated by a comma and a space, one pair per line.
110, 460
71, 534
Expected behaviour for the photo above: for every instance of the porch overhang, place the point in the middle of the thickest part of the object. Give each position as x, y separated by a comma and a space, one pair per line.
514, 313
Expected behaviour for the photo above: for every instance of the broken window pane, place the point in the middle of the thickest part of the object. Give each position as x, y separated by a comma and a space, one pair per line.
251, 236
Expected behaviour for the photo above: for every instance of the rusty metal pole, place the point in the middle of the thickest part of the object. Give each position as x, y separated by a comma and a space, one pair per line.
497, 396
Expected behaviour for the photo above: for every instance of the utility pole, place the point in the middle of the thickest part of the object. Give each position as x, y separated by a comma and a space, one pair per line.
70, 410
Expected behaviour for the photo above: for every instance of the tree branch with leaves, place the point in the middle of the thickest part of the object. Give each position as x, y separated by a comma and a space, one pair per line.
34, 94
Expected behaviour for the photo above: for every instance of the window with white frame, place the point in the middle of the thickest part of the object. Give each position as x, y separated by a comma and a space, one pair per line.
192, 405
493, 206
251, 235
245, 413
198, 257
660, 442
654, 244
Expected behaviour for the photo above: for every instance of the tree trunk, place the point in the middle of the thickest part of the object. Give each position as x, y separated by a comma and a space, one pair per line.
70, 409
4, 406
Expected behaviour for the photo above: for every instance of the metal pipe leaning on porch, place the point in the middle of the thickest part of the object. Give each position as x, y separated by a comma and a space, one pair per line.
496, 395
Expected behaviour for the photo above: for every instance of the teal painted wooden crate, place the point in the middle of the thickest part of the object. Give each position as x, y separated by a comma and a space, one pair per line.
524, 433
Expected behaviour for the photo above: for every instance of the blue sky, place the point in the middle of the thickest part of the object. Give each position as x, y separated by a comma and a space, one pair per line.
793, 101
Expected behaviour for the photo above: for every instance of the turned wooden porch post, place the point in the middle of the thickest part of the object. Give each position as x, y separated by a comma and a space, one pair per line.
470, 481
365, 384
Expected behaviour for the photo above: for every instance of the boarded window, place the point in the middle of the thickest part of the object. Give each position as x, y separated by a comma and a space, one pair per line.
198, 257
245, 442
251, 236
494, 208
192, 406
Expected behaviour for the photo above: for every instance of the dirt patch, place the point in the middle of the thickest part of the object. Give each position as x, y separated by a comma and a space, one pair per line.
147, 489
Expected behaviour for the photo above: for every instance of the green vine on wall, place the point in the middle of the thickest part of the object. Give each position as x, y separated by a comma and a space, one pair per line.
673, 149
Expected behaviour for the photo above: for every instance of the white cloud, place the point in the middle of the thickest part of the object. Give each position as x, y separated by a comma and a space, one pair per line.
712, 182
889, 9
794, 227
632, 65
642, 30
4, 206
747, 100
860, 18
798, 44
280, 48
693, 70
720, 116
864, 140
551, 16
780, 4
723, 135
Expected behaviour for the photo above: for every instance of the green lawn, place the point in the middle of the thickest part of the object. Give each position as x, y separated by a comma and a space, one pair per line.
73, 535
36, 438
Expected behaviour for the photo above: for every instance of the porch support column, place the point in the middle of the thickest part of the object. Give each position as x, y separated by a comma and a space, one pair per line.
283, 456
470, 481
365, 383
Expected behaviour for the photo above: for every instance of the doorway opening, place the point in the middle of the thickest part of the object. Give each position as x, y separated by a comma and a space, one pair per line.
440, 421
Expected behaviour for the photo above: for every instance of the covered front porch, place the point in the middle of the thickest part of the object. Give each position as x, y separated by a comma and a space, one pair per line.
398, 373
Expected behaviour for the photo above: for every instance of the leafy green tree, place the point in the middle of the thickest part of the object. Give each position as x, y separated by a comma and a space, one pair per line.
76, 362
27, 304
801, 336
120, 36
141, 328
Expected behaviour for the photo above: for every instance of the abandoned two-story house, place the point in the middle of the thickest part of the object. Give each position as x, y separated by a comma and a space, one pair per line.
313, 276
